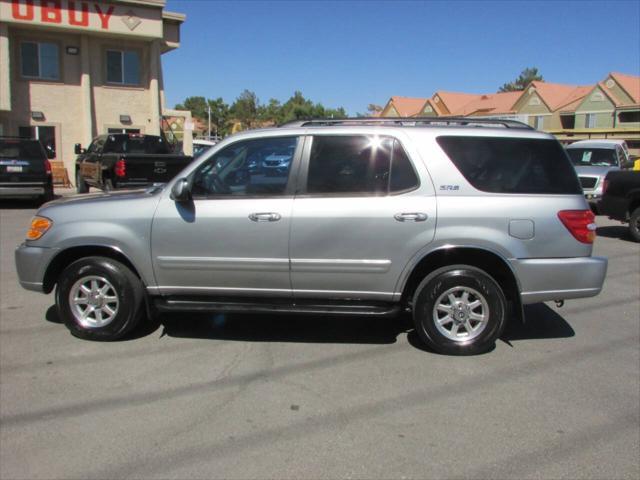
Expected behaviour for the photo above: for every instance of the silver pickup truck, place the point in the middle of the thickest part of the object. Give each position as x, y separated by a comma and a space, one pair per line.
458, 221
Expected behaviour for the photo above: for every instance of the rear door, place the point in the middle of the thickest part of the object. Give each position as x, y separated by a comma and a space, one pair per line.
362, 212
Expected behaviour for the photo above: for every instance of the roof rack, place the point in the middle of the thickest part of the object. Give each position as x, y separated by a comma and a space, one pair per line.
411, 122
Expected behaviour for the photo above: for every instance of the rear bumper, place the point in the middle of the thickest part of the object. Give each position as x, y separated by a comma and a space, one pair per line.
31, 265
21, 189
559, 278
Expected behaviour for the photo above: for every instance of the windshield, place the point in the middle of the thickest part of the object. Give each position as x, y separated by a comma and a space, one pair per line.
593, 157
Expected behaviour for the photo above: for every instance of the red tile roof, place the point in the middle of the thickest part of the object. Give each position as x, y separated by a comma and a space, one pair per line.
492, 103
557, 95
454, 101
629, 83
408, 106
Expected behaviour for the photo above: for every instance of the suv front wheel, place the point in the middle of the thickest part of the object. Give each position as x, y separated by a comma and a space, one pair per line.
99, 298
459, 310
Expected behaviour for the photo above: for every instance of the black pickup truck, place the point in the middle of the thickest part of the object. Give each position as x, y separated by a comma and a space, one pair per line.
126, 160
621, 199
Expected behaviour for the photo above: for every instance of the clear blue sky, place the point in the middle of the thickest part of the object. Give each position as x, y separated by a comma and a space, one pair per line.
354, 53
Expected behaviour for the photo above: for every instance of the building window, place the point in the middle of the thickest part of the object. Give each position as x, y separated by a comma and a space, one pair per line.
46, 135
538, 122
40, 60
123, 67
590, 120
629, 117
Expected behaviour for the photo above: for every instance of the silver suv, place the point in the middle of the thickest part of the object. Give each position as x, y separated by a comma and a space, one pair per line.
459, 222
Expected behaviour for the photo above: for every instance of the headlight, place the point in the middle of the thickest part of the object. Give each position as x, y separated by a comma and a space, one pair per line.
39, 226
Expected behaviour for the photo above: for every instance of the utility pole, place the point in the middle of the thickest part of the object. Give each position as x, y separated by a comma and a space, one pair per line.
209, 129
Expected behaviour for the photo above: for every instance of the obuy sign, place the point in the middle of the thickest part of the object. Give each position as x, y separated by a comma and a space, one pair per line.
94, 16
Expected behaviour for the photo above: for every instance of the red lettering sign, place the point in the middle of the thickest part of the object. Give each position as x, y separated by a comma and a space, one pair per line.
104, 17
15, 10
50, 11
84, 18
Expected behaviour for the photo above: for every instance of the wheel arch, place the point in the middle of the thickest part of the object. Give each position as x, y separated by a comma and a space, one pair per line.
489, 261
71, 254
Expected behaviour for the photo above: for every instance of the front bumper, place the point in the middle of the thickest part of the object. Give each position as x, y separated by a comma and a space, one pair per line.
31, 265
547, 279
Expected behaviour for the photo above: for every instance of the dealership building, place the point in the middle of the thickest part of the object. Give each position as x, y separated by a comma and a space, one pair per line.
71, 70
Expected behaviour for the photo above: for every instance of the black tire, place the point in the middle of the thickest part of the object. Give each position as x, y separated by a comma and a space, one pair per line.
126, 287
81, 185
480, 287
634, 224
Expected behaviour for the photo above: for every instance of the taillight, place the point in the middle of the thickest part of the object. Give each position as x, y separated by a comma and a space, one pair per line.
120, 168
47, 166
581, 224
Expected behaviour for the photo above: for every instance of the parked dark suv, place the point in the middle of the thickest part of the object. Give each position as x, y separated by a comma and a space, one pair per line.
25, 171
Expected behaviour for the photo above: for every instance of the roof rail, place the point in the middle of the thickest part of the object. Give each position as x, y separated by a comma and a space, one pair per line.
411, 122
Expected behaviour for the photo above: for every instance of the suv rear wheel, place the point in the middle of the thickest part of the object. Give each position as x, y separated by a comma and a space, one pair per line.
99, 298
459, 310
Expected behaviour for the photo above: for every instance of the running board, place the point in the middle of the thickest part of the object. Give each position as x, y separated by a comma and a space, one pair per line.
328, 308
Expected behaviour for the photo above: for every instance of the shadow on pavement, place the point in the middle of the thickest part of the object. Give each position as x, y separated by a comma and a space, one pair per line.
540, 322
615, 231
285, 328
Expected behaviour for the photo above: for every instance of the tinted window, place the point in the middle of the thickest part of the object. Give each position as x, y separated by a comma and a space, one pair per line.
40, 60
403, 176
512, 165
594, 157
349, 164
21, 149
252, 167
143, 144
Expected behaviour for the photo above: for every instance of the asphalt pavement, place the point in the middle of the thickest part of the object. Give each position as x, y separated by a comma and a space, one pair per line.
241, 396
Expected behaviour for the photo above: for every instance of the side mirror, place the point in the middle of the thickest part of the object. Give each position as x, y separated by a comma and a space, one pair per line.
77, 148
627, 164
181, 192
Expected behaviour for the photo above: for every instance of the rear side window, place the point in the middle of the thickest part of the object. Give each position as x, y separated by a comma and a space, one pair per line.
141, 144
360, 165
512, 165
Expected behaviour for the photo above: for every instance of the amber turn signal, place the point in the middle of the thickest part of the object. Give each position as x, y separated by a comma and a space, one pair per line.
39, 226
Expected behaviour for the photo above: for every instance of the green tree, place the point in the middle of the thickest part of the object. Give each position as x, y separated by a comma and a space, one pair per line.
527, 76
271, 111
196, 105
245, 108
219, 117
373, 109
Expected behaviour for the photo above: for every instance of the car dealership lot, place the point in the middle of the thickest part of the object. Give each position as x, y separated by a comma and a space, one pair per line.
289, 397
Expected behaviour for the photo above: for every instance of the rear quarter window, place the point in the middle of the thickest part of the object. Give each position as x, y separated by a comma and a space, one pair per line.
512, 165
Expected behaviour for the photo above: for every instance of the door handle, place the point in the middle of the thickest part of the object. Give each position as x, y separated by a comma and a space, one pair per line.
265, 217
411, 217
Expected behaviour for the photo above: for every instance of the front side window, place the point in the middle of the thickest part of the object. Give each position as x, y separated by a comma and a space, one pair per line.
359, 165
40, 60
123, 67
257, 167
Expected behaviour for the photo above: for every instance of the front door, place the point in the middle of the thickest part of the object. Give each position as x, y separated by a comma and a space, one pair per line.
362, 214
233, 238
